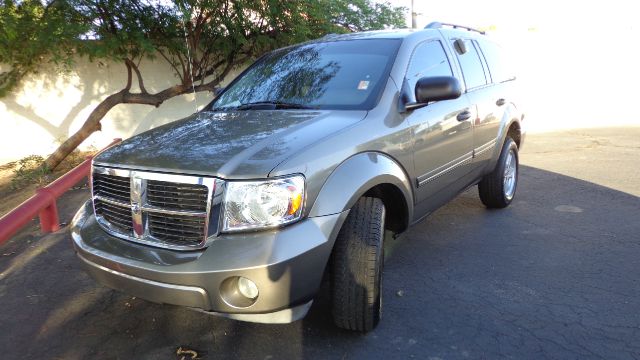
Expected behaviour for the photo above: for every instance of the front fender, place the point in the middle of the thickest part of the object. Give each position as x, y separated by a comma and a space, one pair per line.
354, 177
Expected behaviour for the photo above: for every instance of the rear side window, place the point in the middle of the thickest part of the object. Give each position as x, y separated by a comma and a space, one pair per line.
428, 60
471, 65
499, 66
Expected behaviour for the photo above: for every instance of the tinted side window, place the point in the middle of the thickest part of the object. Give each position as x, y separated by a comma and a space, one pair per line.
429, 59
471, 65
498, 66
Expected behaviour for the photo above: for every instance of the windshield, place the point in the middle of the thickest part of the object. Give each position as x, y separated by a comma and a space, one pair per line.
331, 75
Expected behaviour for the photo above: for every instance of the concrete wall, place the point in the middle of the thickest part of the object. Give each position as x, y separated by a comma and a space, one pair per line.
51, 106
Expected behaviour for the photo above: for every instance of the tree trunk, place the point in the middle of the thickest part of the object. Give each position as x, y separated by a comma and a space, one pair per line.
89, 127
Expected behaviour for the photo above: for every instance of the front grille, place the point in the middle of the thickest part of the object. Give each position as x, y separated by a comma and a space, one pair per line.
112, 187
164, 210
119, 217
176, 229
191, 197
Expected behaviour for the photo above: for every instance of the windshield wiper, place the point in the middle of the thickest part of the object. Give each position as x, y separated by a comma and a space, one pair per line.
272, 105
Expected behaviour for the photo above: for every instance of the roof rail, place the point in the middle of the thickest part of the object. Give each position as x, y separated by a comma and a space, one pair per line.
439, 25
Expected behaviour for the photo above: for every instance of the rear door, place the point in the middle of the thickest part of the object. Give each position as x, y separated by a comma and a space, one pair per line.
480, 94
443, 137
501, 79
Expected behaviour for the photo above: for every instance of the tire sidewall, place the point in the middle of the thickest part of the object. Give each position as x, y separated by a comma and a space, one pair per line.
358, 263
377, 307
508, 146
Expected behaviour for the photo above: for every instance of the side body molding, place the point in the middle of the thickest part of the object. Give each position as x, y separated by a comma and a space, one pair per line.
353, 177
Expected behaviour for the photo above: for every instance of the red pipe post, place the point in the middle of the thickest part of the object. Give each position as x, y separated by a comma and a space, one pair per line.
43, 203
49, 220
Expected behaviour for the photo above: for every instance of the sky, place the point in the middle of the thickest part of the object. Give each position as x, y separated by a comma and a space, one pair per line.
578, 61
514, 14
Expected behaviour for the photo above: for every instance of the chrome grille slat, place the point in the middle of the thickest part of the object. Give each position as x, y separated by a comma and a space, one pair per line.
165, 210
112, 179
121, 196
156, 189
176, 196
114, 208
112, 182
195, 203
182, 230
167, 220
171, 225
112, 193
159, 228
115, 187
193, 206
117, 222
117, 216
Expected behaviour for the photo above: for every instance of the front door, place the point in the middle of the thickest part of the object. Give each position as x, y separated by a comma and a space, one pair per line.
443, 133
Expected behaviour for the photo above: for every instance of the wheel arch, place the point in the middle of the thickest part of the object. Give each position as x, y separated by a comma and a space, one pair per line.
368, 174
515, 132
510, 125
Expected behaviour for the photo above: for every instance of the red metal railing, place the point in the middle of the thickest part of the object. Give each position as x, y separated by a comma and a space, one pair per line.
43, 203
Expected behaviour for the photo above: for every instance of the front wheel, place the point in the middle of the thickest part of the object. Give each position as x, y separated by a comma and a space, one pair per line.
357, 264
498, 188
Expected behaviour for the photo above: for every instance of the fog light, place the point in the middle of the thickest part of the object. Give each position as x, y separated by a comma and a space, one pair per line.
247, 288
239, 292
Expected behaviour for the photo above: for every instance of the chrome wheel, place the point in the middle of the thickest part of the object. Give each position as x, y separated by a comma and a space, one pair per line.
510, 175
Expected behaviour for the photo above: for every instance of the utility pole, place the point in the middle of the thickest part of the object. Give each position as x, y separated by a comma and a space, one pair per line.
414, 16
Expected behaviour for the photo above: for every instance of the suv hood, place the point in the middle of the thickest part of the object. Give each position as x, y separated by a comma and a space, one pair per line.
238, 144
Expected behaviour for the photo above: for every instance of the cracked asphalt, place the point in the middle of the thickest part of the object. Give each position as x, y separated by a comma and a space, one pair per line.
554, 276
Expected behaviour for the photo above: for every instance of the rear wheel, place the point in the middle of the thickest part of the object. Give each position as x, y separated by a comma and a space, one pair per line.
498, 188
357, 266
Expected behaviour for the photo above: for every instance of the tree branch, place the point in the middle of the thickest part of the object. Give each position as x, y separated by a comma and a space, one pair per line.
132, 65
127, 63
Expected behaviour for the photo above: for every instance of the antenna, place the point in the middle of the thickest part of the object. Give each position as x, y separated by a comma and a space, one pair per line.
190, 68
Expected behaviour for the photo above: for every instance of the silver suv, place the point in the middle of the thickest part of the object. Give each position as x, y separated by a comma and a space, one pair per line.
299, 168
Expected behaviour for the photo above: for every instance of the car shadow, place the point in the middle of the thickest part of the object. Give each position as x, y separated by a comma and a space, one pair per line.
554, 275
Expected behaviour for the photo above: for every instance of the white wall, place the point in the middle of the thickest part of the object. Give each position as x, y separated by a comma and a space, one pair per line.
573, 77
51, 106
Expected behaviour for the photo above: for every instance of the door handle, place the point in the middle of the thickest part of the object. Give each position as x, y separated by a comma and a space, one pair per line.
501, 102
465, 115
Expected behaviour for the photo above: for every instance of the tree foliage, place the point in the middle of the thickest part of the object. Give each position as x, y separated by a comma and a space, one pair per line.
32, 34
201, 40
360, 15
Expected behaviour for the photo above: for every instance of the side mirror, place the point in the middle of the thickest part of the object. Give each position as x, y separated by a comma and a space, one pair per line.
436, 88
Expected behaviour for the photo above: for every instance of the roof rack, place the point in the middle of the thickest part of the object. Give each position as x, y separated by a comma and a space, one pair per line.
439, 25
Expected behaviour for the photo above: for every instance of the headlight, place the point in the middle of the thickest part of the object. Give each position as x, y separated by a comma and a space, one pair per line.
262, 204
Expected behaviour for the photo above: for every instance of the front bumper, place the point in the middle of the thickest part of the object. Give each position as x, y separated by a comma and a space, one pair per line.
286, 264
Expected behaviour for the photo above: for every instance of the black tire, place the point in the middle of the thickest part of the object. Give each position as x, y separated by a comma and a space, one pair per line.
493, 189
357, 266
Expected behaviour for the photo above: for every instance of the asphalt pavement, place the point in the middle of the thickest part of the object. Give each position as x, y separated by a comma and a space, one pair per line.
554, 276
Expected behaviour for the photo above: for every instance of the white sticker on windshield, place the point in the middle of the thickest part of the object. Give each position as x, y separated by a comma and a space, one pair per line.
363, 85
